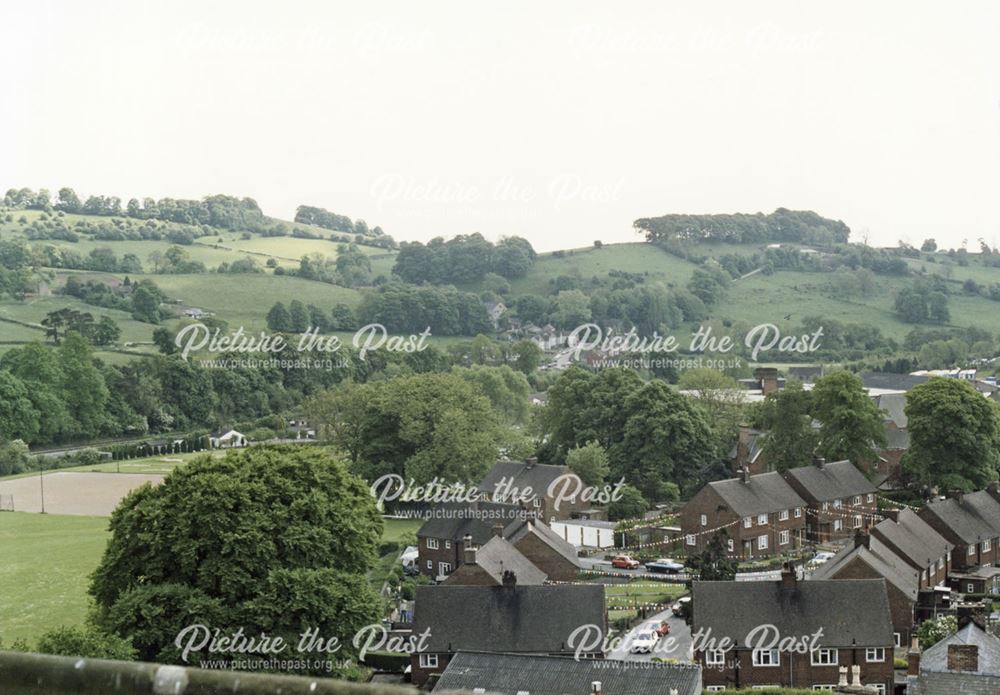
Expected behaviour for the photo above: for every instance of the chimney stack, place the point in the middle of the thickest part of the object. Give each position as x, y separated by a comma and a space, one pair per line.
861, 539
509, 579
788, 577
469, 549
745, 474
819, 462
768, 378
963, 657
530, 463
855, 676
843, 676
595, 688
913, 658
498, 530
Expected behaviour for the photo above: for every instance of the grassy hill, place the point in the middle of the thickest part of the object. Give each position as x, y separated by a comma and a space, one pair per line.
243, 299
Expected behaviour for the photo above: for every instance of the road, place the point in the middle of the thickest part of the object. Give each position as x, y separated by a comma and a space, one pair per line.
590, 564
675, 645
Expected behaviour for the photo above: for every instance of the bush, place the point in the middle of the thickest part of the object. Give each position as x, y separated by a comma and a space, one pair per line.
87, 642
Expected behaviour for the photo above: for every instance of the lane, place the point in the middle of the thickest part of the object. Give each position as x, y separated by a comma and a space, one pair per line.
675, 645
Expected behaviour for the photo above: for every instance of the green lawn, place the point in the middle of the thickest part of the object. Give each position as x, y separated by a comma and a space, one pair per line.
44, 571
395, 529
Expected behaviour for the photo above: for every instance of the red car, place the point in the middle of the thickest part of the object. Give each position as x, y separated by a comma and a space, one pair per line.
663, 629
624, 562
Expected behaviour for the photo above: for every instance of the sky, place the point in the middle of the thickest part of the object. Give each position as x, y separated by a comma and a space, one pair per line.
558, 121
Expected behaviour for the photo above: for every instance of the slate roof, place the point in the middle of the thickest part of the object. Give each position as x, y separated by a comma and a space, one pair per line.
850, 611
525, 619
916, 541
509, 674
935, 659
894, 407
897, 439
546, 535
974, 518
537, 476
889, 380
755, 446
881, 559
835, 480
497, 556
765, 493
452, 520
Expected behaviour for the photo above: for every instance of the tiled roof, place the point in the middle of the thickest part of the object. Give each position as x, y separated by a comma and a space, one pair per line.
850, 611
973, 518
835, 480
935, 659
542, 531
537, 476
526, 619
763, 494
453, 520
509, 674
916, 541
888, 380
881, 559
498, 556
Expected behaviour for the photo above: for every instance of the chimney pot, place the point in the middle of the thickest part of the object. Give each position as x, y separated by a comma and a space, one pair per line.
855, 676
843, 676
745, 474
819, 461
861, 539
530, 462
509, 579
595, 686
498, 530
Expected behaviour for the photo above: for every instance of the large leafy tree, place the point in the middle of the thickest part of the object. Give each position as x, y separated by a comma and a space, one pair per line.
590, 463
83, 388
954, 435
790, 439
851, 425
268, 539
714, 563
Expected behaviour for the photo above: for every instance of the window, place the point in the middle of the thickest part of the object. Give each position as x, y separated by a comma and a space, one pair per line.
730, 545
444, 568
747, 522
871, 497
432, 544
836, 504
704, 519
970, 588
447, 544
762, 519
691, 540
538, 503
972, 550
784, 537
783, 515
986, 546
428, 661
430, 564
875, 655
857, 500
897, 639
715, 657
714, 688
766, 657
798, 512
940, 564
879, 687
823, 657
761, 542
838, 525
857, 521
826, 506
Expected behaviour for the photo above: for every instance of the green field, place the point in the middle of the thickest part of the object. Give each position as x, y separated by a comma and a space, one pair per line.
622, 600
396, 529
44, 571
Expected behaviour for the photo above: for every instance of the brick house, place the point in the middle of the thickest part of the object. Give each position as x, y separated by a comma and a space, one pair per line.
490, 565
981, 580
762, 515
917, 544
853, 614
451, 527
966, 662
971, 522
545, 550
511, 619
546, 485
869, 558
840, 499
510, 674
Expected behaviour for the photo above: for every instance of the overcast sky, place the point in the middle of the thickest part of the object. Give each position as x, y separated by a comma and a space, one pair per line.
558, 121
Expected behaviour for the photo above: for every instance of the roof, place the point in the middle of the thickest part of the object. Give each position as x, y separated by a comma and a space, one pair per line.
559, 675
881, 559
546, 535
755, 446
520, 475
589, 523
498, 556
889, 380
935, 659
850, 611
915, 540
453, 520
763, 494
835, 480
973, 518
896, 439
894, 405
529, 619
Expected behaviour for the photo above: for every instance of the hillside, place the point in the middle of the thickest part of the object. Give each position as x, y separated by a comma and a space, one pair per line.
784, 297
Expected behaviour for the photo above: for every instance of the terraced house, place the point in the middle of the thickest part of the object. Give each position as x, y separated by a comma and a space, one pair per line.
971, 522
853, 614
761, 514
840, 499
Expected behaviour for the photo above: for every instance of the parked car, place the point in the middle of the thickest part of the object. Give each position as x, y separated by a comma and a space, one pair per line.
644, 642
679, 604
665, 566
821, 558
663, 629
624, 562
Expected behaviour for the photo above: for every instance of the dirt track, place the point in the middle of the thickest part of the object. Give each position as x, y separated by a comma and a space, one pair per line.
81, 494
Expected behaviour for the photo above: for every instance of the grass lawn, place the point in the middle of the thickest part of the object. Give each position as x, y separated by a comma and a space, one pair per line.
395, 529
44, 571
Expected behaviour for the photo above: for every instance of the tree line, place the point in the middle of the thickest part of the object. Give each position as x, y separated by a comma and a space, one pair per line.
782, 225
465, 258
